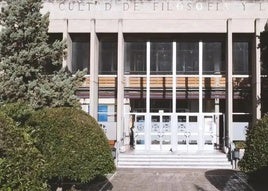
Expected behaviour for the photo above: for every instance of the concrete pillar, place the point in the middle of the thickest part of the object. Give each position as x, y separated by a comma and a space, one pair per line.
94, 69
174, 98
200, 99
120, 82
256, 75
229, 86
66, 37
217, 120
147, 116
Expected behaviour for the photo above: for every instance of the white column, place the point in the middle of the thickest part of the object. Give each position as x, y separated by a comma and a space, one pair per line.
256, 74
200, 99
120, 82
66, 37
174, 78
147, 117
217, 120
94, 66
229, 86
174, 98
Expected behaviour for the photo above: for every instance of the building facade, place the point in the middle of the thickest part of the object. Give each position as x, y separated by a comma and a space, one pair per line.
185, 74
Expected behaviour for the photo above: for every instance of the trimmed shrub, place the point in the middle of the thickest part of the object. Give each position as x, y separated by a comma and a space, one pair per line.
256, 151
73, 144
19, 112
21, 164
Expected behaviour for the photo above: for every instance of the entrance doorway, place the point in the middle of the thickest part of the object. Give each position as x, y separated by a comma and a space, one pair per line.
209, 132
160, 132
187, 132
188, 137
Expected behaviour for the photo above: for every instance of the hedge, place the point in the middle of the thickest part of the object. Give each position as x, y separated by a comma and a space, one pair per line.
21, 164
256, 151
73, 144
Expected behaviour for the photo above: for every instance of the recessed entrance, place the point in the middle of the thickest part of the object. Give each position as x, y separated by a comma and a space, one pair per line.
160, 132
177, 132
187, 132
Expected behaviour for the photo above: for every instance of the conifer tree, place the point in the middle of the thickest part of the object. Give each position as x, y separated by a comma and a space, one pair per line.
26, 57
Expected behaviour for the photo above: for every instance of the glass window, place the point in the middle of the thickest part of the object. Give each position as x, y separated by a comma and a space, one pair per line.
187, 58
161, 57
187, 105
102, 113
241, 105
213, 59
138, 105
208, 105
135, 57
160, 104
241, 58
80, 52
108, 57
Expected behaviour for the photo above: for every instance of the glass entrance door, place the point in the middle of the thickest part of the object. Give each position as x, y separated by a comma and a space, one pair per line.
187, 132
209, 132
139, 132
160, 132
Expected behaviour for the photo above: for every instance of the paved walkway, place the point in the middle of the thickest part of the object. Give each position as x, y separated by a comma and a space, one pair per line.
174, 180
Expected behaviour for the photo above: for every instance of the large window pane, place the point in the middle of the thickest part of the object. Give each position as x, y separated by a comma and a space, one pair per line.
80, 52
161, 57
240, 58
187, 105
160, 104
108, 57
135, 57
187, 58
213, 59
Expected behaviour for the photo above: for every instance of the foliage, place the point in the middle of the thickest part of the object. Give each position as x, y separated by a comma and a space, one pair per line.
74, 145
256, 152
27, 59
240, 144
18, 111
21, 164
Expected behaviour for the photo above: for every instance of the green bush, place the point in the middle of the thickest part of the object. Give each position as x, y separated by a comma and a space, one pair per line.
72, 143
21, 164
19, 112
256, 151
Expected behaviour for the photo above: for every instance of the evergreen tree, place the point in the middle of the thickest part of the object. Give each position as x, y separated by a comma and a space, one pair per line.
26, 57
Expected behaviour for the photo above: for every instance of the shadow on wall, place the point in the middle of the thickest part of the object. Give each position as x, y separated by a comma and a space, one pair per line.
98, 184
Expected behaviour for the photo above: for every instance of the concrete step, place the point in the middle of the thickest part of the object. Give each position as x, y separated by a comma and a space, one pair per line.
210, 161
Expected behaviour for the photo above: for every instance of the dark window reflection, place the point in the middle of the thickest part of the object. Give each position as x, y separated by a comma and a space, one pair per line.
187, 58
213, 59
241, 58
108, 57
161, 57
80, 52
135, 57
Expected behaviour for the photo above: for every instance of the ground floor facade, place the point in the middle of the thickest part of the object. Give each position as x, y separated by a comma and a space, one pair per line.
183, 77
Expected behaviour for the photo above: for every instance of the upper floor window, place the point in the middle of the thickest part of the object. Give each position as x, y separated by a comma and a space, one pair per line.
187, 58
241, 58
161, 57
80, 52
135, 57
213, 58
108, 57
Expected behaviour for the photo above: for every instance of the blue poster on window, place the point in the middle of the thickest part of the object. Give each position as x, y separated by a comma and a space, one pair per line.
102, 113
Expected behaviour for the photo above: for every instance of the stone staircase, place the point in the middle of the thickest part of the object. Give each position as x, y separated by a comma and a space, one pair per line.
201, 160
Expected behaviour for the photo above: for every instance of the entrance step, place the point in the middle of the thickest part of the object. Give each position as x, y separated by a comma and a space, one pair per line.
173, 160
